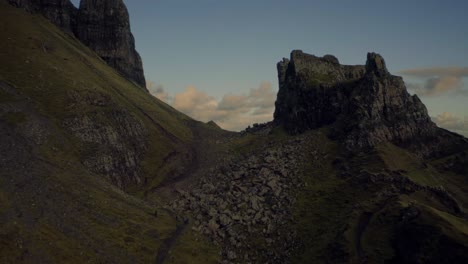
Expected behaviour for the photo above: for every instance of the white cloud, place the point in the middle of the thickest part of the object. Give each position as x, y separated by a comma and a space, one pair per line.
158, 91
197, 104
232, 112
452, 122
436, 71
437, 80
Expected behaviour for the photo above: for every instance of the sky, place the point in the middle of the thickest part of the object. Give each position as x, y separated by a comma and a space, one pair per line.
217, 59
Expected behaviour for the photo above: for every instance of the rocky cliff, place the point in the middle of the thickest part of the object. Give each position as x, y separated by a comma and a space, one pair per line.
364, 104
103, 25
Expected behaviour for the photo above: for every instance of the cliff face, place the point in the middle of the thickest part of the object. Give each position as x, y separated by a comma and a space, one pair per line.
309, 95
364, 104
103, 25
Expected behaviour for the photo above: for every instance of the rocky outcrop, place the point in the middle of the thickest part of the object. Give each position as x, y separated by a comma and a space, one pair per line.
113, 148
113, 139
309, 96
364, 105
103, 25
251, 196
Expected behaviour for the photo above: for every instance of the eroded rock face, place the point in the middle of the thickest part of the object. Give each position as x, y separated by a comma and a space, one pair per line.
115, 146
364, 105
103, 25
309, 93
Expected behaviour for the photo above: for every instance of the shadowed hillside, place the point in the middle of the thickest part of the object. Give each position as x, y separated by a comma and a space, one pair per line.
93, 169
75, 134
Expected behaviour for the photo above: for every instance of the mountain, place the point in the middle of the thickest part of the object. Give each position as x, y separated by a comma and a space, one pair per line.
95, 169
103, 26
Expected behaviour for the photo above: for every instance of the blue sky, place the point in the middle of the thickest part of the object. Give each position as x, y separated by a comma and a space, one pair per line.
231, 47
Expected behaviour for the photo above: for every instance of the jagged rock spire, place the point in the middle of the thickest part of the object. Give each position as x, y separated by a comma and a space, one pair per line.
376, 64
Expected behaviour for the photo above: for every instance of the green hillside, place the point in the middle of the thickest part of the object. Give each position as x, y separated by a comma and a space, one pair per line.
53, 207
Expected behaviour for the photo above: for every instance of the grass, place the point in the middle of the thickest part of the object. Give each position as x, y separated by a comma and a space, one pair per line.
457, 223
4, 201
193, 248
250, 143
328, 221
379, 234
14, 118
323, 205
417, 170
315, 78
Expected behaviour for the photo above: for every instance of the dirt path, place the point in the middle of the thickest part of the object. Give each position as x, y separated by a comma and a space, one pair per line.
203, 155
201, 158
169, 242
364, 220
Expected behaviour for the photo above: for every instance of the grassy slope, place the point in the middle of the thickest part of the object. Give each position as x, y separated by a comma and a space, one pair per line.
46, 64
330, 208
55, 211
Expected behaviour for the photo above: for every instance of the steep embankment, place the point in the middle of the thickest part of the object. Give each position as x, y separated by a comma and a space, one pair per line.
72, 130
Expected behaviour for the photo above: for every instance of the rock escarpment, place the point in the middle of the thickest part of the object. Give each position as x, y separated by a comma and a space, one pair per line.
103, 25
364, 104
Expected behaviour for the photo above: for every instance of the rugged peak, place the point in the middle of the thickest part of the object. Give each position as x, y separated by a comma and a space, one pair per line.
303, 61
361, 111
376, 64
102, 25
331, 58
299, 55
282, 66
91, 4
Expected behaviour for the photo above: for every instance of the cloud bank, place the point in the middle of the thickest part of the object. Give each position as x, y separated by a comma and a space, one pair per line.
452, 122
158, 91
438, 80
232, 112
